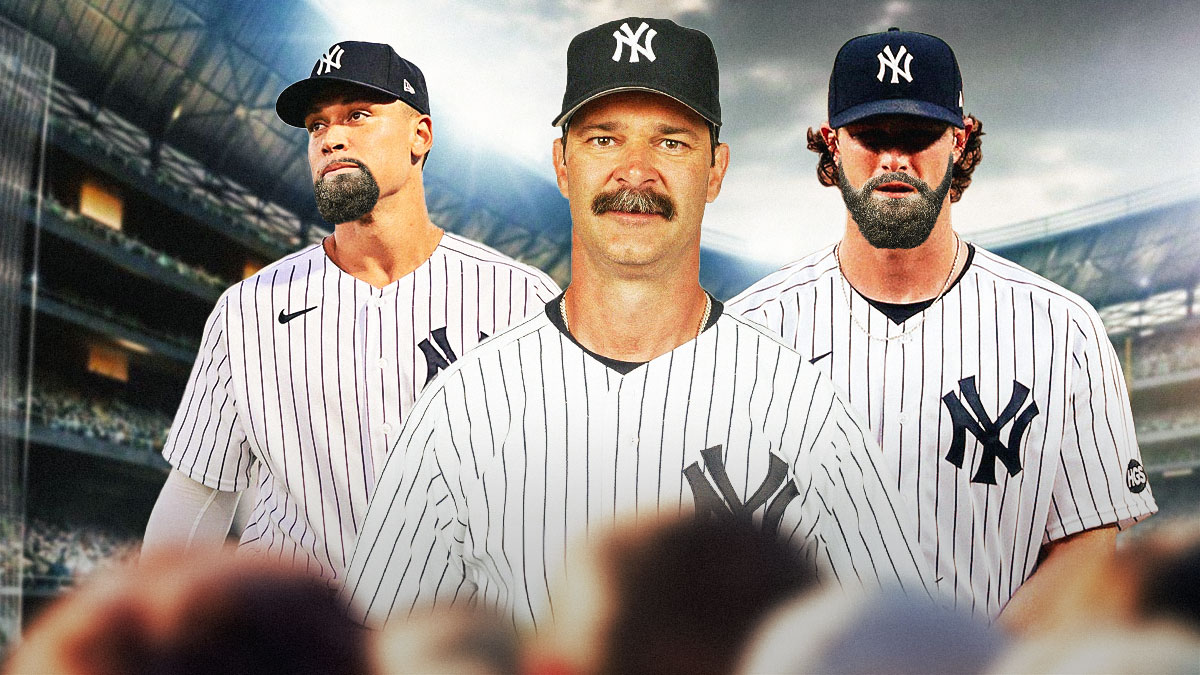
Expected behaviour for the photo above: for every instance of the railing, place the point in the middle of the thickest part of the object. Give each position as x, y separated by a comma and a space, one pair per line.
1167, 194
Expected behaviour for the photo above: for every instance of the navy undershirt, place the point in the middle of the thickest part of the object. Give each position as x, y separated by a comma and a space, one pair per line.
554, 313
898, 313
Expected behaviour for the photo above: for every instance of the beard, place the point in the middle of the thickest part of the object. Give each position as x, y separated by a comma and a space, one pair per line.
629, 200
346, 197
895, 223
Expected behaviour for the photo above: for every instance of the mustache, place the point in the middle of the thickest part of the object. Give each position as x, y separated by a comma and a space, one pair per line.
894, 177
629, 200
342, 160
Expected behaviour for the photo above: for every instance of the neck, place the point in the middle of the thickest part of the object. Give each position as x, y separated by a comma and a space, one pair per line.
634, 319
901, 275
394, 239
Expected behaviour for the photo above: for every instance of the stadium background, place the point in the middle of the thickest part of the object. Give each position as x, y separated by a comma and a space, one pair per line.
143, 171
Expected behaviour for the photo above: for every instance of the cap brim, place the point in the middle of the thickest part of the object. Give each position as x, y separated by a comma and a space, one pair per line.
294, 103
896, 106
567, 113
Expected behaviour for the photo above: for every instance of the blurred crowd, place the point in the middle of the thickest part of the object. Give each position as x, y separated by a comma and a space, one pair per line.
1168, 419
58, 554
90, 307
1167, 353
111, 420
216, 206
132, 245
669, 597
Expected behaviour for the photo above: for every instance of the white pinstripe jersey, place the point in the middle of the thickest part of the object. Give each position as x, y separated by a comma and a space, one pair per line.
1004, 414
529, 444
311, 372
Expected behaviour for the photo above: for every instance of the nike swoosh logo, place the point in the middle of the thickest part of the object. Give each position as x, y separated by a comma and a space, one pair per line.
284, 317
814, 360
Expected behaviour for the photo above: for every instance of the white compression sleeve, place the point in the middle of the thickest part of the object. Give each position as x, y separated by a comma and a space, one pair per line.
189, 515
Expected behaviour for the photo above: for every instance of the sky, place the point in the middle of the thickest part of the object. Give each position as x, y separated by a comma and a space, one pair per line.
1080, 101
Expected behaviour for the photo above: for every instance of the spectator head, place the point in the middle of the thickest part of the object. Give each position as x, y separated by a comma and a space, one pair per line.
188, 614
447, 640
833, 632
679, 596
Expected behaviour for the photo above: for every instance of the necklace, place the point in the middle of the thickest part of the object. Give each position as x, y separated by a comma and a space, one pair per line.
562, 310
917, 324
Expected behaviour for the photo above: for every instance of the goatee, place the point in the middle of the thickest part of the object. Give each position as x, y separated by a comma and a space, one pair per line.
895, 222
346, 197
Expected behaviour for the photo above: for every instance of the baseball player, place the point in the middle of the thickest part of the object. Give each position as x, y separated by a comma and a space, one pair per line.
995, 395
632, 394
308, 369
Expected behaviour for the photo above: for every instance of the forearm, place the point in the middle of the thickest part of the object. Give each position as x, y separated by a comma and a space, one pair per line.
188, 515
1066, 586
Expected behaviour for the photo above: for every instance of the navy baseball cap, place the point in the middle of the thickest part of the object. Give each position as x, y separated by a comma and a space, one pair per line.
639, 54
895, 73
368, 64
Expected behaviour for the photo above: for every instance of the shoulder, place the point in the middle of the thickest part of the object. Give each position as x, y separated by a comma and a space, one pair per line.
474, 254
1042, 293
755, 341
283, 272
791, 279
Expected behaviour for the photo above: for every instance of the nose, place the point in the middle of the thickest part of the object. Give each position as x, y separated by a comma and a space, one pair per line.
334, 139
894, 159
636, 167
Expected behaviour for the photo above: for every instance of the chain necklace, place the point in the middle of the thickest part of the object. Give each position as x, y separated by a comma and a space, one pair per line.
917, 324
562, 310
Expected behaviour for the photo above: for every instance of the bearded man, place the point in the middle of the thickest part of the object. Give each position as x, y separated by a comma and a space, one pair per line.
995, 395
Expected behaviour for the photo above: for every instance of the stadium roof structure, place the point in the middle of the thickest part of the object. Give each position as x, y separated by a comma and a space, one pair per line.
182, 93
185, 90
1135, 257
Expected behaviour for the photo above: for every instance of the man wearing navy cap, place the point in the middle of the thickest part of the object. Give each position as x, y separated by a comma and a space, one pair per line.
309, 368
631, 396
995, 394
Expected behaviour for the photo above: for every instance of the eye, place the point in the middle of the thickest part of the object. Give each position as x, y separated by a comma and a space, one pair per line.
359, 115
673, 144
314, 127
602, 141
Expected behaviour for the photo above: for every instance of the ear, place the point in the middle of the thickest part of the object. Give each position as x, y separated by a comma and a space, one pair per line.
716, 173
961, 136
560, 166
422, 137
829, 134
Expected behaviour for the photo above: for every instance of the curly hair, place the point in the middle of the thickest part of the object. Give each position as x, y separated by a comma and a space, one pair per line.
963, 168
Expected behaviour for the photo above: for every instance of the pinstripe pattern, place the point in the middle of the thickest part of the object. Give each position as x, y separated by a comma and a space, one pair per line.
999, 324
529, 444
319, 400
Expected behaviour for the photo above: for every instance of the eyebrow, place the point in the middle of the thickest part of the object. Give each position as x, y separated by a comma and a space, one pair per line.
610, 127
600, 126
669, 130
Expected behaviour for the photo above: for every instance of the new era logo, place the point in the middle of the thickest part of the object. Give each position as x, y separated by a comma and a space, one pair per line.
330, 60
627, 37
889, 60
409, 88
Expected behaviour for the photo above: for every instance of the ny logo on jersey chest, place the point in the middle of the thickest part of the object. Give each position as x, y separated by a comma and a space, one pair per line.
436, 360
775, 492
987, 431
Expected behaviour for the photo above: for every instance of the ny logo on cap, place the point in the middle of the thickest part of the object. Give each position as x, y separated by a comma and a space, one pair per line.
330, 60
631, 38
889, 60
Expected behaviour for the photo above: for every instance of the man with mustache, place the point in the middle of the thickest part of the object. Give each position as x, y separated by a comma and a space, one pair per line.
309, 368
995, 394
632, 395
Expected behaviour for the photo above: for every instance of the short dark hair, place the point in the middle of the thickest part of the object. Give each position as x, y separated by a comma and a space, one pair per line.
827, 172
